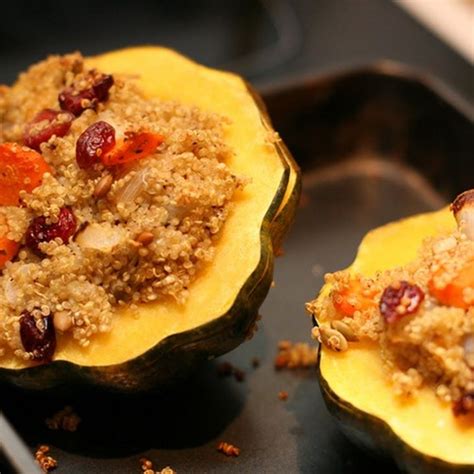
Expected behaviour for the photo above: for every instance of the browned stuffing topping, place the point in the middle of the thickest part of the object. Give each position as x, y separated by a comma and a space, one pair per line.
282, 395
421, 315
228, 449
295, 355
65, 419
46, 462
130, 221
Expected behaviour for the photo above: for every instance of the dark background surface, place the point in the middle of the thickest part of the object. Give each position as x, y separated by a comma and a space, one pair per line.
266, 40
270, 42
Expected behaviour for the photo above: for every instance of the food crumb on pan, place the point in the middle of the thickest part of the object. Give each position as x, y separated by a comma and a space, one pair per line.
226, 369
167, 470
283, 395
317, 270
255, 362
279, 252
47, 463
295, 355
228, 449
147, 468
66, 419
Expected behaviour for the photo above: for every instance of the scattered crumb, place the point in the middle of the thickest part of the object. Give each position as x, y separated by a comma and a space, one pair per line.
255, 362
226, 369
65, 419
228, 449
304, 200
317, 270
273, 284
145, 464
295, 355
147, 468
282, 395
239, 375
47, 463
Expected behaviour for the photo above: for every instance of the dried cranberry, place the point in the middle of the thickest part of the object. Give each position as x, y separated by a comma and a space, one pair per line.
56, 123
102, 86
76, 101
39, 231
40, 342
97, 139
464, 405
400, 300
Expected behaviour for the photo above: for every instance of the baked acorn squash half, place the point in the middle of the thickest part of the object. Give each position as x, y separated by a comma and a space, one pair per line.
167, 339
419, 432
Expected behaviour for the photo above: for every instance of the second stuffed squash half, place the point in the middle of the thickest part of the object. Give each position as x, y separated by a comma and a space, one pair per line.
396, 341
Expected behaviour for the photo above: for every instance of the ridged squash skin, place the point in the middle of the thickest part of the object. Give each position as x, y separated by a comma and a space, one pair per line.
422, 436
168, 340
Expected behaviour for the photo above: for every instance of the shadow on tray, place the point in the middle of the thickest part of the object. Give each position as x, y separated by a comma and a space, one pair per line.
187, 416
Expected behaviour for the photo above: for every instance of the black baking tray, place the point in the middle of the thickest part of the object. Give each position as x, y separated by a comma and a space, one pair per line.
375, 144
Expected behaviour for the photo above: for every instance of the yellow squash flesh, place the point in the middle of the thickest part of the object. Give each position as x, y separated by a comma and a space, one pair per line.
357, 376
244, 247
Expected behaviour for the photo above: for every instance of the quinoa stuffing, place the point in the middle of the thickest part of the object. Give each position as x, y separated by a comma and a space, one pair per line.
421, 315
107, 199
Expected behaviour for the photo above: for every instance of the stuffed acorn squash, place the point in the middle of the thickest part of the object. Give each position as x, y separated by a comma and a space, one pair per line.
397, 342
181, 273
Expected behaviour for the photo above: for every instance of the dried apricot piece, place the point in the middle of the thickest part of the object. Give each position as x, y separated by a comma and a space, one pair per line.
8, 249
351, 298
453, 293
134, 146
20, 169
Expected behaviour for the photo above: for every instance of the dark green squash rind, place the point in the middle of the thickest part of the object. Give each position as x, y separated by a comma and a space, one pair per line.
172, 358
375, 435
284, 218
